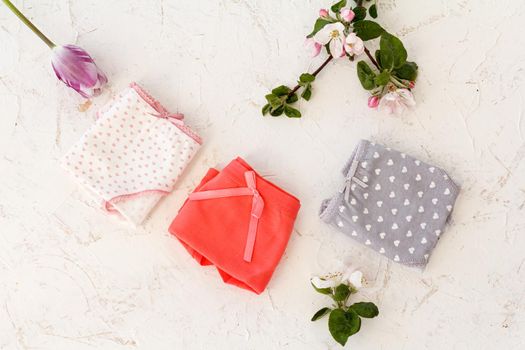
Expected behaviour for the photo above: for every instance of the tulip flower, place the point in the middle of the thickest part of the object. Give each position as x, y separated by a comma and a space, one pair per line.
76, 69
72, 65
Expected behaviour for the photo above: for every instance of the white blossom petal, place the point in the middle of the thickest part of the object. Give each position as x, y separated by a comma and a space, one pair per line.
352, 38
396, 102
320, 283
356, 279
407, 97
336, 48
322, 37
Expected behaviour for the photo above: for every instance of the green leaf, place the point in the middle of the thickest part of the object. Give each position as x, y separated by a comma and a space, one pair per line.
292, 98
367, 310
291, 112
281, 90
408, 71
378, 58
319, 24
341, 292
392, 52
366, 75
373, 11
382, 78
360, 13
275, 112
266, 109
338, 6
368, 30
307, 92
321, 313
273, 100
327, 48
306, 78
343, 324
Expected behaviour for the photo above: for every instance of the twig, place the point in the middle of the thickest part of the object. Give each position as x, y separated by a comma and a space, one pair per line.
372, 59
317, 71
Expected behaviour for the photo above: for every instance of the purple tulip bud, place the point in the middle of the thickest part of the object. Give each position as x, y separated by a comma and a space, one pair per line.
76, 69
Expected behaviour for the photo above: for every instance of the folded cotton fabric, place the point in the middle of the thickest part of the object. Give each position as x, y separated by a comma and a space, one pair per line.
392, 203
239, 222
133, 154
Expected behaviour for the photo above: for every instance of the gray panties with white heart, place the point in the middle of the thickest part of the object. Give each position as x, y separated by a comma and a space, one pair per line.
392, 203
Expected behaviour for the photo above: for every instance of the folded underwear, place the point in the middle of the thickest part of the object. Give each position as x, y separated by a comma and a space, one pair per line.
239, 222
133, 154
392, 203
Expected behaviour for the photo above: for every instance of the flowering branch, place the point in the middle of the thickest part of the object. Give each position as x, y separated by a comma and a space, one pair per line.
282, 97
372, 58
344, 320
342, 33
317, 71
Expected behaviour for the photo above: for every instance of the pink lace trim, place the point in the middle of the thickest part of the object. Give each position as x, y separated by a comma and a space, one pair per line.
108, 205
160, 108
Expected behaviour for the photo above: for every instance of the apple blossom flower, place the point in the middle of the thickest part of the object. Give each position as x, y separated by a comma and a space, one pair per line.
313, 47
354, 45
325, 282
347, 15
333, 35
373, 101
397, 101
351, 277
412, 84
355, 279
323, 13
75, 68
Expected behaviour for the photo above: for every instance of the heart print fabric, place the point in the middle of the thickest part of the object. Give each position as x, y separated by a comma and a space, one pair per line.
392, 203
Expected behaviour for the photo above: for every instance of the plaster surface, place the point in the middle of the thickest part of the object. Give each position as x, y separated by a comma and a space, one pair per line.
72, 277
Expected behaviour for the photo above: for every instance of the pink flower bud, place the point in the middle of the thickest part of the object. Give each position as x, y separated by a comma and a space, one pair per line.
323, 13
347, 15
412, 84
373, 101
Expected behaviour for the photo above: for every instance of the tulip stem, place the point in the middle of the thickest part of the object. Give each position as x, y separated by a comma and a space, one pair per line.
28, 23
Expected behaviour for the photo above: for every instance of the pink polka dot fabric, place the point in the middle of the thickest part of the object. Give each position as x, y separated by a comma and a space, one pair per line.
133, 154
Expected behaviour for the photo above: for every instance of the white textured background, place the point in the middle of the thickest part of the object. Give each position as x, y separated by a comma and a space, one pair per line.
73, 278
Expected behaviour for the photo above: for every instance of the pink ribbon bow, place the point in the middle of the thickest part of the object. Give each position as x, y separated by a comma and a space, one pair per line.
256, 212
174, 118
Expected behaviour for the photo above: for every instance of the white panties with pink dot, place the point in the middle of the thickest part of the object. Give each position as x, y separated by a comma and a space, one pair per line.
133, 154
